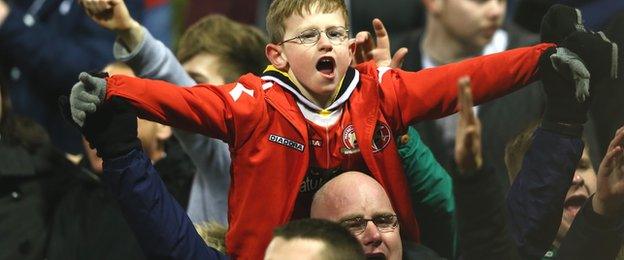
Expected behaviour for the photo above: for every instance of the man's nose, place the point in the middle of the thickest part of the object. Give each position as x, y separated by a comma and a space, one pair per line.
371, 235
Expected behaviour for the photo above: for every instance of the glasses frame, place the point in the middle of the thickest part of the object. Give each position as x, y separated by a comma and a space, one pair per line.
362, 228
318, 36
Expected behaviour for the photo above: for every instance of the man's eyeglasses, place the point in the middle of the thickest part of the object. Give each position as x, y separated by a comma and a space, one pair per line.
336, 35
384, 223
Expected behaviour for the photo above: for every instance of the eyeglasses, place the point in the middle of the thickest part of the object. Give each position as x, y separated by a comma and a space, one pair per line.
335, 34
384, 223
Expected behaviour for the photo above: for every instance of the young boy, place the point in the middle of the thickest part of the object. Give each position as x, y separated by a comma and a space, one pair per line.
346, 118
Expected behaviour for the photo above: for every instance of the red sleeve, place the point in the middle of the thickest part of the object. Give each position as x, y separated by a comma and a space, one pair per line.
432, 93
228, 112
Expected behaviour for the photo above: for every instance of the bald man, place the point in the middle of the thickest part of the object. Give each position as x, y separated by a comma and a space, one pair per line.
354, 198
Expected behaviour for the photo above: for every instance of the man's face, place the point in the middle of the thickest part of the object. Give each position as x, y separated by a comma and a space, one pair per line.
472, 22
296, 248
319, 67
203, 68
583, 185
365, 200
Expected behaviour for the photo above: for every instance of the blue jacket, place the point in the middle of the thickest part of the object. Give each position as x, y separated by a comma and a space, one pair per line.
160, 224
535, 199
42, 57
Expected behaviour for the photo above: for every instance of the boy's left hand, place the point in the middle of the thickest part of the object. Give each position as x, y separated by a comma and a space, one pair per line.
379, 50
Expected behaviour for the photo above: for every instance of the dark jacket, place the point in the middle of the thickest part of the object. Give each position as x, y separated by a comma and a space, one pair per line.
177, 171
51, 208
42, 59
161, 226
481, 217
88, 224
33, 176
592, 236
535, 199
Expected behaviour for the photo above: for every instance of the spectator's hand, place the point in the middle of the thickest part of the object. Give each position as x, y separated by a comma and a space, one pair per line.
378, 51
4, 11
111, 130
468, 155
609, 196
110, 14
85, 96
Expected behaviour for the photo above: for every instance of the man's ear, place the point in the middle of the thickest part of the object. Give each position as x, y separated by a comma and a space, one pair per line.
276, 56
163, 132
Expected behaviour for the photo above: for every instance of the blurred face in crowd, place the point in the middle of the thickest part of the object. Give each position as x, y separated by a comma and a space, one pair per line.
318, 67
295, 248
470, 22
583, 186
152, 136
351, 196
203, 68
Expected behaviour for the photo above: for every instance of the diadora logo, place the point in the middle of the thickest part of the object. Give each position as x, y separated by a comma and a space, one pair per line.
381, 138
286, 142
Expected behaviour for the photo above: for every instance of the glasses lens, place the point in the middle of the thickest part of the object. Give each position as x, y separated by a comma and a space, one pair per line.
385, 223
309, 36
337, 33
355, 225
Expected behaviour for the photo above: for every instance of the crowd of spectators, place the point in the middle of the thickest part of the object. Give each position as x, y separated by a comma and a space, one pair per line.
432, 129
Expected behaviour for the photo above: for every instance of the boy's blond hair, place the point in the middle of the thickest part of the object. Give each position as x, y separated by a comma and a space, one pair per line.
280, 10
238, 47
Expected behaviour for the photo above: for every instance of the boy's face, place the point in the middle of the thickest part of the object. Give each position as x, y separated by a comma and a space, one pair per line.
472, 22
319, 67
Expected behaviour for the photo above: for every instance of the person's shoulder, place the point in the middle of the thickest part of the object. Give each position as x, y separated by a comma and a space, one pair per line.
519, 37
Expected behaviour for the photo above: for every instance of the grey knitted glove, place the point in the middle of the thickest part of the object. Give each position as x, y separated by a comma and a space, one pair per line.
86, 95
571, 67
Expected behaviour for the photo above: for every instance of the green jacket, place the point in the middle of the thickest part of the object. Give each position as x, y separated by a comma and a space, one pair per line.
431, 189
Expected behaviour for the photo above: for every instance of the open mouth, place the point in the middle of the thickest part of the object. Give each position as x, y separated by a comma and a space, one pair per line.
573, 204
326, 66
376, 256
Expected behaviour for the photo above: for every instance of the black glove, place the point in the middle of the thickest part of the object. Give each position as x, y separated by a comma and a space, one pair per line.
559, 22
111, 130
564, 112
563, 25
600, 55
